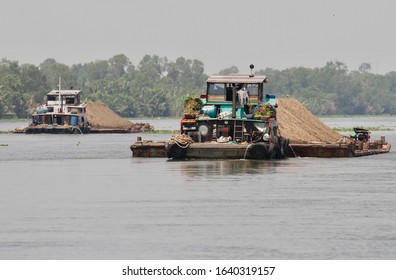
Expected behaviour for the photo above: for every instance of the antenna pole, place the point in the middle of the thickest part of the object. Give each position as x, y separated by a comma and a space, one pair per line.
60, 100
251, 70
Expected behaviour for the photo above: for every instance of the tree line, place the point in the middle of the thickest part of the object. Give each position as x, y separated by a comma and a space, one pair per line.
157, 87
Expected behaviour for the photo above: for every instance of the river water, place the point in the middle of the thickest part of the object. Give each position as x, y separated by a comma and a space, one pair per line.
85, 197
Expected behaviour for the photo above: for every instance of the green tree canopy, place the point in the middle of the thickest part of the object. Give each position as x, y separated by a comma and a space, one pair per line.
157, 87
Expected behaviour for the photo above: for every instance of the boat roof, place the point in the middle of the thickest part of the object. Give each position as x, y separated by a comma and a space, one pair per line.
237, 78
64, 92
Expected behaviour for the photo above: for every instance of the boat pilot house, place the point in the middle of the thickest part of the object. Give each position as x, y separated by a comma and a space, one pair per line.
62, 112
220, 88
234, 106
235, 109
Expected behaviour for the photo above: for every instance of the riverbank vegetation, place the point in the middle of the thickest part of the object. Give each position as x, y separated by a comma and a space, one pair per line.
161, 131
372, 128
157, 87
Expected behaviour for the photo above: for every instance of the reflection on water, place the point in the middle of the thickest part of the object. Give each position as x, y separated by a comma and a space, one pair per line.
207, 169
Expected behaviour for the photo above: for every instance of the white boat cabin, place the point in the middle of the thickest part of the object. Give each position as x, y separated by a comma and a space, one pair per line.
64, 101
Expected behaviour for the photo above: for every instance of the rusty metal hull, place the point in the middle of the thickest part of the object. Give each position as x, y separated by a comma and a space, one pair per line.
337, 150
384, 148
230, 150
147, 148
217, 151
319, 150
55, 129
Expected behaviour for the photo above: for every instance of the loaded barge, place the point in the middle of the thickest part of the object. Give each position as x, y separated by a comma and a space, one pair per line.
147, 148
356, 145
235, 119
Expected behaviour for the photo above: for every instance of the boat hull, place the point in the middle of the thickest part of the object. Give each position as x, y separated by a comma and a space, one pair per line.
56, 130
239, 151
148, 148
319, 150
214, 150
338, 150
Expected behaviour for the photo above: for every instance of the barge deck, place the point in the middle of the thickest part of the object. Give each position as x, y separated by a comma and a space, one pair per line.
147, 148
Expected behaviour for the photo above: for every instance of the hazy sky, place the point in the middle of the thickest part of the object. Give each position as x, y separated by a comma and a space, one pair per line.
277, 33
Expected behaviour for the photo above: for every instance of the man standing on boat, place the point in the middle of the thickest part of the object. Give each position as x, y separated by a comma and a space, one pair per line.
243, 96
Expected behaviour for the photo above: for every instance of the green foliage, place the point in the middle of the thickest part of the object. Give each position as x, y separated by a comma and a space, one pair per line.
15, 82
192, 104
161, 131
264, 110
157, 87
52, 70
334, 90
373, 128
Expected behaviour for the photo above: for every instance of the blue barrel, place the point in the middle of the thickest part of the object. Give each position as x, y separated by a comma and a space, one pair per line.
41, 110
209, 110
74, 120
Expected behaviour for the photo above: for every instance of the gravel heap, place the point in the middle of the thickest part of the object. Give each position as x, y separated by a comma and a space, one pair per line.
101, 117
299, 125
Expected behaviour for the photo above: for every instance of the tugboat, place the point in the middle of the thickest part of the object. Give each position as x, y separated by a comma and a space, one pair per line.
234, 119
62, 113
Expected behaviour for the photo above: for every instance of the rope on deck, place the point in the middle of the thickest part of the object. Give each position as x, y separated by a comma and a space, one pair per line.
182, 140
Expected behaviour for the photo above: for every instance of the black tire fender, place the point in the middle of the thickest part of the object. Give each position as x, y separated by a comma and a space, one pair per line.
175, 151
281, 148
259, 151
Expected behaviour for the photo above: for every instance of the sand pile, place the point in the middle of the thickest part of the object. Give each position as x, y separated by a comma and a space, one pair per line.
101, 118
300, 125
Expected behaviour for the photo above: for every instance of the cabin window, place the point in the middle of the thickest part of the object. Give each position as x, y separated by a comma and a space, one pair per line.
69, 100
52, 99
253, 92
216, 92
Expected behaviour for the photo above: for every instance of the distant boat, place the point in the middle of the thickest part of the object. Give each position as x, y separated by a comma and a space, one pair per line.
62, 113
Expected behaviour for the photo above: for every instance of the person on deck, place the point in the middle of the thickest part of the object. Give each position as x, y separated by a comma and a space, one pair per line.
243, 96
